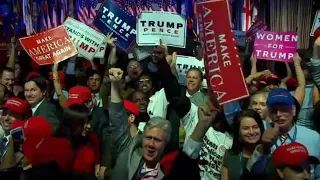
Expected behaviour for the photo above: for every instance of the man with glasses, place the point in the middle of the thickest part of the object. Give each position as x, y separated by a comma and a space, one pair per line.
282, 111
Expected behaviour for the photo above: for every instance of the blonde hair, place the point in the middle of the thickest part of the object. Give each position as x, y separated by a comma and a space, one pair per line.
265, 93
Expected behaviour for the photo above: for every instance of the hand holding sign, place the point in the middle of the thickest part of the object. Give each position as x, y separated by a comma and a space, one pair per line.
111, 40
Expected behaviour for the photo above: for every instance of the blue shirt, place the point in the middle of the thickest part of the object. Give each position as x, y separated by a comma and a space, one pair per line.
309, 138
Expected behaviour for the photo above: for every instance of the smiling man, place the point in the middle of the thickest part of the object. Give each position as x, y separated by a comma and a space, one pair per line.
194, 81
35, 91
282, 112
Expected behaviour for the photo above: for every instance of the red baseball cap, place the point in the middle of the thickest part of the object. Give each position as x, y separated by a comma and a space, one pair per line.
273, 79
292, 82
61, 77
41, 150
292, 154
35, 125
18, 106
131, 107
78, 95
33, 74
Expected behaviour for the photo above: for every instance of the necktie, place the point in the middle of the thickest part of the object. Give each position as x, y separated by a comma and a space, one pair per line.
283, 138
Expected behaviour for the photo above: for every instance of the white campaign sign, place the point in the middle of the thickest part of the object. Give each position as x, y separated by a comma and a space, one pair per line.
102, 50
86, 39
184, 63
240, 37
316, 23
167, 26
142, 52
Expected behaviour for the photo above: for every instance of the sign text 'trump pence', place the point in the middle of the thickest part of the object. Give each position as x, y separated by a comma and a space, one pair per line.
50, 46
167, 26
111, 18
86, 39
222, 62
276, 46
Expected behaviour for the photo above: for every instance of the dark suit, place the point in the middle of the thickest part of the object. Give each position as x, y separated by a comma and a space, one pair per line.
49, 112
100, 125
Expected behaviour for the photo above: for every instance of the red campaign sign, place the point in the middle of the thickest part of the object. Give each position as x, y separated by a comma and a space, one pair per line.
222, 62
49, 46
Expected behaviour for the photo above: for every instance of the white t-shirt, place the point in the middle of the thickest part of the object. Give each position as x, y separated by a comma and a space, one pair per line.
215, 144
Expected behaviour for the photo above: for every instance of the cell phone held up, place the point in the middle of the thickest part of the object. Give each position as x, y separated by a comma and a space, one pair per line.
17, 135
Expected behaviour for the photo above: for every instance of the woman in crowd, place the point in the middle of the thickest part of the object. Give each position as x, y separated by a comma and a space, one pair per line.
75, 127
247, 131
259, 104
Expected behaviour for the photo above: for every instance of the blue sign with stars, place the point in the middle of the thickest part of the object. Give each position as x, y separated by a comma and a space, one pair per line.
112, 18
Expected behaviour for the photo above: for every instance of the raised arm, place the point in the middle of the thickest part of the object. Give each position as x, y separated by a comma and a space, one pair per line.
315, 63
57, 86
289, 74
12, 49
253, 60
112, 60
117, 113
300, 90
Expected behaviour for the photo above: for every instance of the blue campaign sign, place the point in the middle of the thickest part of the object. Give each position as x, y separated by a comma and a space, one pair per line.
111, 18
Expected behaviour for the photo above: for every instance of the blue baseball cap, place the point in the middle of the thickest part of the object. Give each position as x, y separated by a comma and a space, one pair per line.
280, 96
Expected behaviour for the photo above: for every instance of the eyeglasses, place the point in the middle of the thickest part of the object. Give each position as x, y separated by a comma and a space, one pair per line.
144, 80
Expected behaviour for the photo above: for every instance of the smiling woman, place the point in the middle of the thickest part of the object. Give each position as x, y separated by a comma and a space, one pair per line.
248, 129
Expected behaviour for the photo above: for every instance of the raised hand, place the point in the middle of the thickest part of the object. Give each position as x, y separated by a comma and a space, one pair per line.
111, 40
253, 58
164, 47
208, 111
270, 136
297, 59
115, 74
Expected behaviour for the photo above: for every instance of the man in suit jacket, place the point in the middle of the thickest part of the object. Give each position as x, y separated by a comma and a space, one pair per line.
138, 156
35, 90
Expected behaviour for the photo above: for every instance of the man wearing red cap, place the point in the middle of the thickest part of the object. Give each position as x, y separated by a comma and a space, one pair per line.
14, 108
293, 161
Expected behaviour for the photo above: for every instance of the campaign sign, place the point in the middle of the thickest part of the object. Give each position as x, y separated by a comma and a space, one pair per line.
49, 46
101, 50
111, 18
276, 46
240, 37
167, 26
142, 52
184, 63
86, 39
222, 62
316, 23
256, 26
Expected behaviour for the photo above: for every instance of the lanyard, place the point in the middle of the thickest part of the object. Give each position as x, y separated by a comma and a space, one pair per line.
293, 139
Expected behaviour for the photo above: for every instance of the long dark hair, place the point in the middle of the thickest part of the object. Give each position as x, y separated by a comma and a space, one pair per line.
237, 144
72, 124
